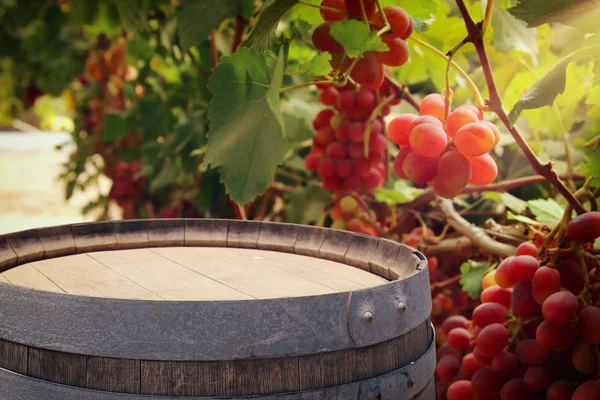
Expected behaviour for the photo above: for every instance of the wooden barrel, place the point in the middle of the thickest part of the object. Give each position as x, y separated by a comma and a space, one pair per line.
211, 309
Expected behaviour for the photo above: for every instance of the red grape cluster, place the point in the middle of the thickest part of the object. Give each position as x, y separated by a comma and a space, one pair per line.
536, 333
346, 214
126, 186
338, 152
446, 153
368, 71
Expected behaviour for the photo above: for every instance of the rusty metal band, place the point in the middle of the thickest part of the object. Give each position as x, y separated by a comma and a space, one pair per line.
214, 330
403, 383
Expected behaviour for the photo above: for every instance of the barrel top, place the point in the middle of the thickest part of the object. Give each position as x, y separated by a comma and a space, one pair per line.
190, 273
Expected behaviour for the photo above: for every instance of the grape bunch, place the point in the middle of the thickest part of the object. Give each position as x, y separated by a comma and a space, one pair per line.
127, 187
338, 151
446, 153
369, 70
347, 213
536, 333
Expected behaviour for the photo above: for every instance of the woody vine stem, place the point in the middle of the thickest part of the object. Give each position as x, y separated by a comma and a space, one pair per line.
475, 33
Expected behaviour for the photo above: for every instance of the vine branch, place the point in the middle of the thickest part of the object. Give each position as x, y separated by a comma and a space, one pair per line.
475, 36
474, 233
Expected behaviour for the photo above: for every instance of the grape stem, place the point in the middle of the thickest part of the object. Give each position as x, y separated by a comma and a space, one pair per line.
475, 36
487, 19
404, 92
386, 23
374, 114
474, 233
429, 195
240, 25
287, 89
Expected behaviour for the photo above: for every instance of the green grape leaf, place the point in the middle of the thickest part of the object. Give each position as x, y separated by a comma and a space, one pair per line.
310, 16
296, 128
580, 14
546, 211
195, 19
514, 203
305, 205
512, 34
419, 9
261, 36
356, 38
522, 218
155, 117
401, 193
543, 91
472, 275
134, 13
167, 175
115, 127
246, 135
318, 66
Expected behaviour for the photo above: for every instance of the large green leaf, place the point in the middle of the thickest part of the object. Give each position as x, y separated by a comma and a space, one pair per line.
115, 127
522, 218
195, 19
512, 34
580, 14
356, 38
245, 138
319, 65
472, 275
261, 36
543, 91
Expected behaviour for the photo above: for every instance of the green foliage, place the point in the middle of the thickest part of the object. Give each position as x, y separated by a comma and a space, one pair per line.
356, 38
401, 193
514, 203
245, 139
546, 211
261, 36
197, 18
580, 14
544, 90
472, 275
318, 66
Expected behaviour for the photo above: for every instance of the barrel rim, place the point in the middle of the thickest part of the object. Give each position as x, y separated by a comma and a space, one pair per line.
186, 329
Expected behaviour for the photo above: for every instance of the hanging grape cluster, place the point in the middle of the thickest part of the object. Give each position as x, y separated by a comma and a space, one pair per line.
369, 69
447, 153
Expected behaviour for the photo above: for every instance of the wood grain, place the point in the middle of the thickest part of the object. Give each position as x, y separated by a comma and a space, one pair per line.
13, 356
66, 368
113, 374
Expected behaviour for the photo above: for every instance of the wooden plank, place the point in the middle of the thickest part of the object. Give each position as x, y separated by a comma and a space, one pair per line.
169, 378
13, 356
132, 234
81, 274
57, 241
405, 264
164, 278
243, 234
113, 374
28, 276
301, 267
206, 232
3, 278
309, 240
95, 236
384, 257
66, 368
167, 232
27, 245
335, 245
217, 378
8, 257
278, 237
230, 268
360, 251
